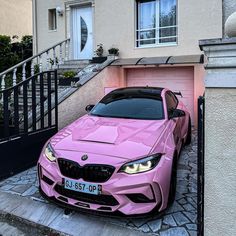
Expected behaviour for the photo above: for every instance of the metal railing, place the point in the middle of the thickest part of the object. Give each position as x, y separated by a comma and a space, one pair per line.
28, 106
48, 59
155, 34
201, 156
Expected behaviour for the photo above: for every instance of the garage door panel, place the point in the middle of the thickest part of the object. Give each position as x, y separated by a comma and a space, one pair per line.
176, 79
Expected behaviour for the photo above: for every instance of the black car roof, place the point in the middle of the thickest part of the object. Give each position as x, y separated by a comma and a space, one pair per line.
133, 92
146, 90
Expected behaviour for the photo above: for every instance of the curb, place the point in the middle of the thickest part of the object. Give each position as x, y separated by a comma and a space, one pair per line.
51, 219
45, 230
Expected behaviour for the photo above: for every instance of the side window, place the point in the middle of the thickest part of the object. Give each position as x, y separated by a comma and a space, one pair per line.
171, 102
52, 19
174, 98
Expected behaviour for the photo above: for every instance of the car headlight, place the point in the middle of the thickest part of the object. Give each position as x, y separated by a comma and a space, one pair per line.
141, 165
49, 153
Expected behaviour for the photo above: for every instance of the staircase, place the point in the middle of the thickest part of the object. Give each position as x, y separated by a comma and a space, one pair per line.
51, 59
72, 65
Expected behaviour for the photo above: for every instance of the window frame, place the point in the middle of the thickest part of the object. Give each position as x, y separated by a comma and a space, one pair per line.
50, 29
157, 28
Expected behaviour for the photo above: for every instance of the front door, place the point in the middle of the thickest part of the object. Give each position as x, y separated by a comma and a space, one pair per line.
81, 33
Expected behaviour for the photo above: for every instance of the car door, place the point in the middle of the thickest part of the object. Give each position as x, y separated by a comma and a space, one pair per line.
172, 103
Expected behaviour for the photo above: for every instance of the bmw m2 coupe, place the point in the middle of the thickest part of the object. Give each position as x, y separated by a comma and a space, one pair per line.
121, 156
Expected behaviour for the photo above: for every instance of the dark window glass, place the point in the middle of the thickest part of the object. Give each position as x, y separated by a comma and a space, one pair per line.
174, 98
171, 102
52, 19
84, 33
131, 107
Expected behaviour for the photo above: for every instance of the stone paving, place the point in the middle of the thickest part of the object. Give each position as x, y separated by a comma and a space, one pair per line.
178, 220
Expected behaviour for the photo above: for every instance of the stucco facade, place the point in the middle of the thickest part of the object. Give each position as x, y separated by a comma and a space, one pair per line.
90, 93
114, 25
220, 123
220, 171
16, 17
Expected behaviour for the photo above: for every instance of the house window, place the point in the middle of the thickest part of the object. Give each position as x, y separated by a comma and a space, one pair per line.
52, 19
156, 22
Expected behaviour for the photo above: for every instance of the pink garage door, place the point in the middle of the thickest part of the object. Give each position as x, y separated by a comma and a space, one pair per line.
174, 78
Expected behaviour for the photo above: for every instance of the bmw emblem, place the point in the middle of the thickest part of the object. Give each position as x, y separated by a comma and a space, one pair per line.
84, 157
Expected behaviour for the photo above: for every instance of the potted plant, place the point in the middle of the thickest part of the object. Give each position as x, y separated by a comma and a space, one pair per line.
113, 53
52, 62
99, 52
68, 78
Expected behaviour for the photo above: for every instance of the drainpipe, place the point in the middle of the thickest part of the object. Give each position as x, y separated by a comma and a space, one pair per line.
35, 26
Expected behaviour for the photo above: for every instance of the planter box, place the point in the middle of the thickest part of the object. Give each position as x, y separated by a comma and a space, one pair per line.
68, 81
98, 60
112, 57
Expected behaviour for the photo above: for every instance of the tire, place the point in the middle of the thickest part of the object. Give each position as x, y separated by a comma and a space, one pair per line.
189, 134
173, 181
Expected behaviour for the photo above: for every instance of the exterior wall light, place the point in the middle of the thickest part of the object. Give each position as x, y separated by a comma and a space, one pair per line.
59, 11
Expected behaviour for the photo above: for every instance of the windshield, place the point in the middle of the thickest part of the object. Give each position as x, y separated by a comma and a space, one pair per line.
130, 107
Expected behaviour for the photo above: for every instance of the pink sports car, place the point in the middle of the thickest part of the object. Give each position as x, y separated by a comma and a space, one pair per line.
121, 157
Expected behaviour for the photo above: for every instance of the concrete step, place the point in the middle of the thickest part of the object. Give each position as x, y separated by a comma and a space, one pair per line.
76, 62
73, 65
43, 215
68, 68
9, 227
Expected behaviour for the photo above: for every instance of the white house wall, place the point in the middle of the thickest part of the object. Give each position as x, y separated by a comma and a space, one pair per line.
114, 25
16, 17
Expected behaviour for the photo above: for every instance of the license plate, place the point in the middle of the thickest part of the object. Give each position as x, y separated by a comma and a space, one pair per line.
82, 187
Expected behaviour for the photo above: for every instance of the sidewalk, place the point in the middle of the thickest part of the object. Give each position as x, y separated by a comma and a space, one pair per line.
19, 197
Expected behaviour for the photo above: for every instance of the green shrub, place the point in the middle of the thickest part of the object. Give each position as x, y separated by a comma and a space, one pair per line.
51, 61
12, 53
36, 69
8, 58
69, 74
113, 51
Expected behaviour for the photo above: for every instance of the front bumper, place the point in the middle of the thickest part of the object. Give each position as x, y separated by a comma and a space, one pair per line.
122, 193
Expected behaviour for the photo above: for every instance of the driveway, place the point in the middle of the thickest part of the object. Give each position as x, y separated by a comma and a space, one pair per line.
179, 219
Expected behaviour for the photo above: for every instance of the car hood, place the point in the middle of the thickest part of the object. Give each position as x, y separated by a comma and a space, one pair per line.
123, 138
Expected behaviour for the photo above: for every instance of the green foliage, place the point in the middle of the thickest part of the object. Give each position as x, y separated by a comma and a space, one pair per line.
36, 68
9, 81
12, 53
69, 74
8, 58
113, 51
27, 41
51, 61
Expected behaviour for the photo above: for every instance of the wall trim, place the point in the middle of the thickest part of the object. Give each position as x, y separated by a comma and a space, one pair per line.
220, 79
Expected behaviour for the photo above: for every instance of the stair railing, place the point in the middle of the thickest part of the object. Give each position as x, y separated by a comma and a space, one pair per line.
38, 111
48, 59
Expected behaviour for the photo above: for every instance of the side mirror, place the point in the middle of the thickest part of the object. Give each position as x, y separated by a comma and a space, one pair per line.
88, 108
176, 113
